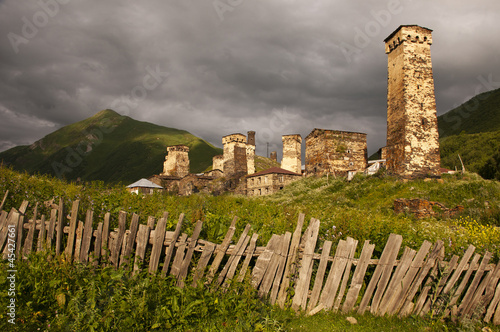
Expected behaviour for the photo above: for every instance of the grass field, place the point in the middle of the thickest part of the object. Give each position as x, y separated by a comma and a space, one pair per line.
74, 297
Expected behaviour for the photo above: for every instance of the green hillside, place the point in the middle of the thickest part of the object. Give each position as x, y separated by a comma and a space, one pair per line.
480, 153
480, 114
472, 131
262, 163
107, 147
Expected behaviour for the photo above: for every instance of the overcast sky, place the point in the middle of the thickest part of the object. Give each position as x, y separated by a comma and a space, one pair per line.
218, 67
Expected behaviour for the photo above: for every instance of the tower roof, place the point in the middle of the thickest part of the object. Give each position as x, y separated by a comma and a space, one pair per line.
404, 26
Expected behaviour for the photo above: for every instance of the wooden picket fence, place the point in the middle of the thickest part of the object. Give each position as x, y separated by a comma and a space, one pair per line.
417, 283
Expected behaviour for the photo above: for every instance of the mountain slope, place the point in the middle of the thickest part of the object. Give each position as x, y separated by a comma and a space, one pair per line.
107, 147
480, 114
472, 131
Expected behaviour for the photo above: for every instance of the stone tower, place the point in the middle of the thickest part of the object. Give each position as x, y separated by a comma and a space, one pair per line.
412, 133
235, 155
291, 161
218, 162
177, 161
251, 152
274, 156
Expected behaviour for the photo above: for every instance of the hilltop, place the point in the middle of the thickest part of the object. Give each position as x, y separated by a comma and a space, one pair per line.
107, 147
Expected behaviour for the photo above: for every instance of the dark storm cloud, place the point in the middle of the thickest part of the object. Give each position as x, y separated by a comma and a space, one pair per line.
218, 67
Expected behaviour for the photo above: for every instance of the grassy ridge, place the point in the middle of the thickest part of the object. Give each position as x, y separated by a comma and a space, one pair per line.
108, 147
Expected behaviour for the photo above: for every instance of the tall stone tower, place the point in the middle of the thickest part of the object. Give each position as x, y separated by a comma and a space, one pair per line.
251, 152
412, 133
292, 145
235, 155
177, 161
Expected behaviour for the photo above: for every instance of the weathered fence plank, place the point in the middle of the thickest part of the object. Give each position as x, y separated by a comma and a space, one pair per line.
490, 289
396, 280
179, 255
142, 240
353, 244
221, 251
320, 275
272, 267
285, 244
4, 199
19, 228
248, 258
208, 249
118, 242
358, 276
464, 307
232, 257
424, 304
72, 230
262, 262
189, 254
40, 244
402, 288
385, 266
151, 222
234, 265
430, 263
105, 245
385, 275
28, 243
129, 246
170, 250
87, 236
3, 228
12, 220
52, 227
97, 245
78, 241
159, 236
302, 286
60, 226
494, 303
291, 261
479, 302
337, 269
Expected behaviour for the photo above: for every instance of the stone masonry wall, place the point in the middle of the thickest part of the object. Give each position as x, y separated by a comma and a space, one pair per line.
292, 161
235, 155
251, 152
412, 133
333, 151
218, 162
177, 161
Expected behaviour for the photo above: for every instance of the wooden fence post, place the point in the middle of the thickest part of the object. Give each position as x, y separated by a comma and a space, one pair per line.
290, 266
305, 265
72, 229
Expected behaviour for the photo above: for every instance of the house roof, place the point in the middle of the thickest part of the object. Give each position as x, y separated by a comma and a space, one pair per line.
274, 170
144, 183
